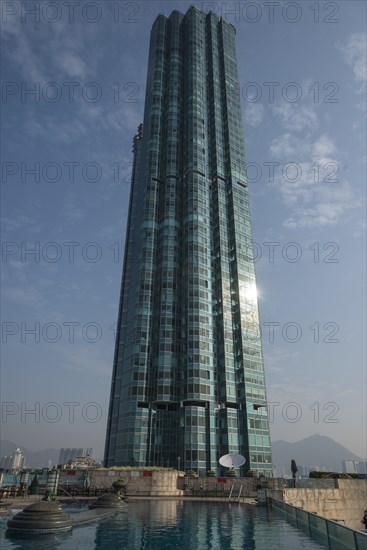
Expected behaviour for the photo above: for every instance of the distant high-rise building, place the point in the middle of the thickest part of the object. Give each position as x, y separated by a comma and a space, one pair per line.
69, 454
16, 461
188, 379
5, 462
361, 467
304, 471
349, 467
354, 467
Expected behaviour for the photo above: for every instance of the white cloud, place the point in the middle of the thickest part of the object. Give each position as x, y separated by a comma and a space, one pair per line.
296, 117
288, 146
354, 53
120, 117
73, 65
18, 221
18, 47
44, 53
56, 130
88, 118
323, 147
254, 114
308, 180
307, 169
329, 205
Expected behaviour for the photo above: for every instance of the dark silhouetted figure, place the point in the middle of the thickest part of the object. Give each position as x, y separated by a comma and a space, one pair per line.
294, 471
364, 519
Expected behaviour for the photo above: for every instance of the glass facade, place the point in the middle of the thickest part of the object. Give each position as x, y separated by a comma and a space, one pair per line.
188, 379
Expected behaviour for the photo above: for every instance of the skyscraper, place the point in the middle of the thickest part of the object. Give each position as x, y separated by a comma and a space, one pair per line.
70, 454
188, 379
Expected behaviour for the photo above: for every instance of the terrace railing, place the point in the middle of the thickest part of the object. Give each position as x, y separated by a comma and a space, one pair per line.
336, 535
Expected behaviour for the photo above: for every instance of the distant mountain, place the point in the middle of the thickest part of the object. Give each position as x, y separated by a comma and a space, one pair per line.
316, 450
38, 459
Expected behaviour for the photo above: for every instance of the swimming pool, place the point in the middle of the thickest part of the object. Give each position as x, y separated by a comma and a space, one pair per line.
171, 525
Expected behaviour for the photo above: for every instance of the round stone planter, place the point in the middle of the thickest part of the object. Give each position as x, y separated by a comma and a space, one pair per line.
40, 518
108, 501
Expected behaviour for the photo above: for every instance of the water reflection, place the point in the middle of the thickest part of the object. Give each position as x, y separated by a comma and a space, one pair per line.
176, 524
36, 542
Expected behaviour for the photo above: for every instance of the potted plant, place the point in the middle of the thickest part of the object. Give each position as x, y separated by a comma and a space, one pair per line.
231, 473
191, 473
34, 486
210, 473
119, 487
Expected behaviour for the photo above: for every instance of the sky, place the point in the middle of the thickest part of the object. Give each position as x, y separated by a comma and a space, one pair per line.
73, 87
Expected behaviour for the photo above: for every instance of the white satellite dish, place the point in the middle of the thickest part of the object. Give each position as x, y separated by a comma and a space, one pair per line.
232, 461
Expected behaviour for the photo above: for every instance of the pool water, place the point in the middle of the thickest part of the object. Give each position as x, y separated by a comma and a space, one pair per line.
171, 525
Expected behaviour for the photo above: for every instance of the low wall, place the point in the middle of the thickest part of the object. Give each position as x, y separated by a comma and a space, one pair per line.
345, 503
144, 483
222, 485
140, 483
157, 483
